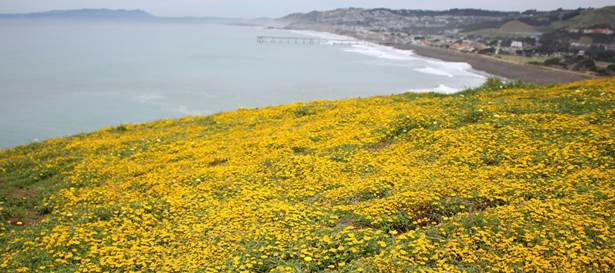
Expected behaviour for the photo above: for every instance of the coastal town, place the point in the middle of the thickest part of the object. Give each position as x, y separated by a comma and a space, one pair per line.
581, 40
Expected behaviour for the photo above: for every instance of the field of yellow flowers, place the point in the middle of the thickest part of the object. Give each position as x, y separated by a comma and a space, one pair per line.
497, 179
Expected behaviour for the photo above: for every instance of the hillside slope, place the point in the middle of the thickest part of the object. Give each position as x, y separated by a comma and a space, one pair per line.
590, 18
509, 29
495, 180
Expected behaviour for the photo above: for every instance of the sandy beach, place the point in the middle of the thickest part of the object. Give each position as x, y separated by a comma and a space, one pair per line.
505, 69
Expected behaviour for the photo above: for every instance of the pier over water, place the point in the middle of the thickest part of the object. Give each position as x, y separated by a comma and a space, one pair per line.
305, 41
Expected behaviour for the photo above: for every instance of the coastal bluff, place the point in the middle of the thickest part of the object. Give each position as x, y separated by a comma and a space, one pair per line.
505, 177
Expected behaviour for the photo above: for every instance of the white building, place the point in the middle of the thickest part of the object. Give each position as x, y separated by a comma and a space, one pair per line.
516, 44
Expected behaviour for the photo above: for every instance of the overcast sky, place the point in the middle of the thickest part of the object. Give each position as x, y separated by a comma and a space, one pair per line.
276, 8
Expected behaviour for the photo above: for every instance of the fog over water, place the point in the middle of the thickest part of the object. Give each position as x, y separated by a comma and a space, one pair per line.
62, 79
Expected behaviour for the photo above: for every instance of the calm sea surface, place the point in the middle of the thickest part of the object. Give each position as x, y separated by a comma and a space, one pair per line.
63, 79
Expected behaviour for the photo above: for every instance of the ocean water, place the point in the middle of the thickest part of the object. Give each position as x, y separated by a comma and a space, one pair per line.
63, 79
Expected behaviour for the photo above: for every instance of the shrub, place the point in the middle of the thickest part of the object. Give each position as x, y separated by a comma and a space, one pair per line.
585, 65
493, 84
553, 61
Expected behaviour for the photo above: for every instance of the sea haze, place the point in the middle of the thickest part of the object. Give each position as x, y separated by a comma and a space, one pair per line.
64, 78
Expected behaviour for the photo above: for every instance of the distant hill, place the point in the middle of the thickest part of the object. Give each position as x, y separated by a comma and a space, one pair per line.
410, 21
359, 13
474, 21
513, 28
547, 22
91, 14
516, 26
116, 15
589, 18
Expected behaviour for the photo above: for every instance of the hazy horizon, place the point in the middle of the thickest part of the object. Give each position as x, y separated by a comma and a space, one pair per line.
278, 8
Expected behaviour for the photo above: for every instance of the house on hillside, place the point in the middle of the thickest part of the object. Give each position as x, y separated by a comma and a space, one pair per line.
605, 31
516, 44
468, 46
583, 42
423, 42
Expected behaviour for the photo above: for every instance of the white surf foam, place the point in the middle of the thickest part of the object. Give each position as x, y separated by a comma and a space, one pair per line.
407, 58
383, 52
441, 88
445, 89
434, 71
455, 68
323, 35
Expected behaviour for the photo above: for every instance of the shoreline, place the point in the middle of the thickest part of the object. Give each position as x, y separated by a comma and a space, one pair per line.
404, 53
509, 70
480, 63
